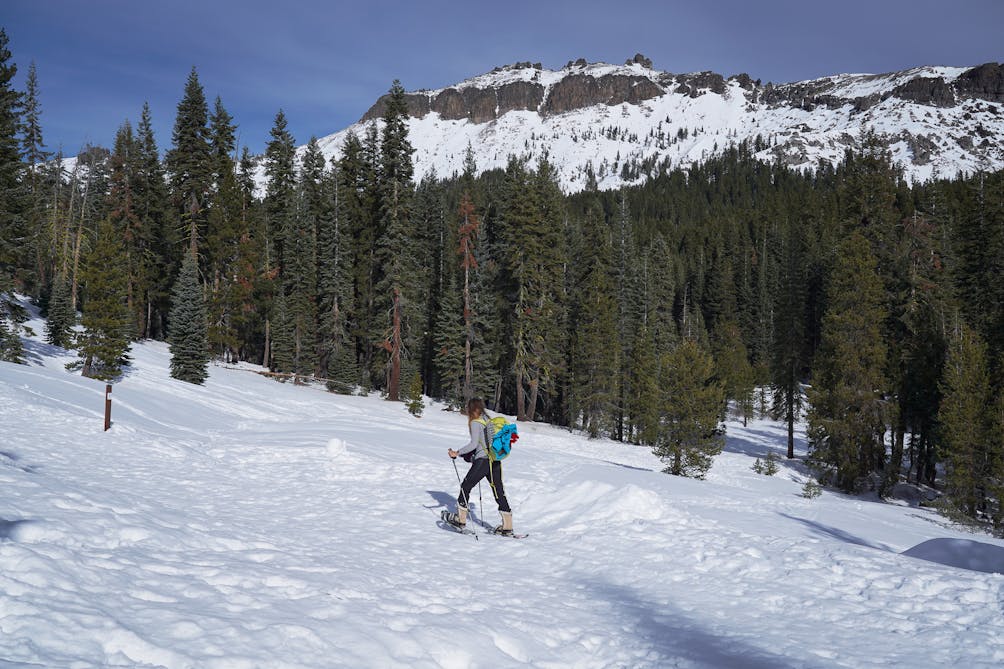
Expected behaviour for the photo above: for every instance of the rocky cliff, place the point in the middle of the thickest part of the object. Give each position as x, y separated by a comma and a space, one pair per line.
617, 124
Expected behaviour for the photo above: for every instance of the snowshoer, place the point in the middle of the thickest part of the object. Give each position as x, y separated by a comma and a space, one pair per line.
482, 466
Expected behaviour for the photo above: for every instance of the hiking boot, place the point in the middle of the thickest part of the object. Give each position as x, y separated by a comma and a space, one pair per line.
505, 529
458, 519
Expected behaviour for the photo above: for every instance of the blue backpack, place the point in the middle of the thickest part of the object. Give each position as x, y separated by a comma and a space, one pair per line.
500, 435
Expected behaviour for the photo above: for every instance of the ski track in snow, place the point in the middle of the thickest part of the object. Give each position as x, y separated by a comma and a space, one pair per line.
213, 527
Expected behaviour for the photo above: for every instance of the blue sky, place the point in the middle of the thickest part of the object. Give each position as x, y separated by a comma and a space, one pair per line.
325, 63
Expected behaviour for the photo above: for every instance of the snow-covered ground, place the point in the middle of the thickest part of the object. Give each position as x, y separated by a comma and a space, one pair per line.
249, 523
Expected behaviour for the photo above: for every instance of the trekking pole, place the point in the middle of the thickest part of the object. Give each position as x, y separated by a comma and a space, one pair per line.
481, 501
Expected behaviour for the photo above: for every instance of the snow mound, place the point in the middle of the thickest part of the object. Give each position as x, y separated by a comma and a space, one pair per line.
961, 553
336, 448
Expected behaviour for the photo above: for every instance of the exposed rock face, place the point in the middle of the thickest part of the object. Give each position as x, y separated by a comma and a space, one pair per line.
581, 86
520, 96
926, 91
418, 106
695, 84
985, 81
580, 90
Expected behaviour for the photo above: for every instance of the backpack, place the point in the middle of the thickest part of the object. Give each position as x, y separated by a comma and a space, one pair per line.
500, 435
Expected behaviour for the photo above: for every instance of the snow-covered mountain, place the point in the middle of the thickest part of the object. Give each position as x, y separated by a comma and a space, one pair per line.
937, 121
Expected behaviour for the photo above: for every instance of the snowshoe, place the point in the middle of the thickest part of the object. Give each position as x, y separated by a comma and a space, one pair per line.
452, 518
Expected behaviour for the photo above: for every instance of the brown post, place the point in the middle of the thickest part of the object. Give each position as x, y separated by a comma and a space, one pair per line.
108, 406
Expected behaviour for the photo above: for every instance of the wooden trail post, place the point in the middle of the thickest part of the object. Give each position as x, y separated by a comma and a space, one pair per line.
108, 406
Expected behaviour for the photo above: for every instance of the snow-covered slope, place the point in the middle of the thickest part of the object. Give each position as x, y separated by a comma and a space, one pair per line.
249, 523
937, 121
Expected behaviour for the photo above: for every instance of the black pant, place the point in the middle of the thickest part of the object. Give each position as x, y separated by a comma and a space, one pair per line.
480, 469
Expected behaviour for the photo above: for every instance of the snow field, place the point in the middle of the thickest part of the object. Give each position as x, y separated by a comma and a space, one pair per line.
250, 523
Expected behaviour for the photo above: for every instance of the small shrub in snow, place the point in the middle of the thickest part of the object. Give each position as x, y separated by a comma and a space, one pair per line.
768, 466
811, 489
415, 403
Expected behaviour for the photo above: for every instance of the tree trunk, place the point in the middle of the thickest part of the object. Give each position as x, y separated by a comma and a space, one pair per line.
268, 343
532, 408
394, 384
520, 409
791, 422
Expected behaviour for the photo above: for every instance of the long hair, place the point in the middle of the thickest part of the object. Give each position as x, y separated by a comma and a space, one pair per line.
475, 404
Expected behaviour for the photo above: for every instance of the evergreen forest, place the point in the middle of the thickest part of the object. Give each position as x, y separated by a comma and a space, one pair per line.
870, 307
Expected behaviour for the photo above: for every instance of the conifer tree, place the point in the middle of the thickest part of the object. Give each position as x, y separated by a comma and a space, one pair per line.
227, 237
187, 334
12, 222
848, 415
733, 368
283, 337
190, 162
642, 396
299, 270
222, 141
279, 210
124, 216
107, 320
659, 297
966, 417
630, 310
595, 361
690, 432
995, 487
226, 233
534, 251
451, 340
61, 317
788, 359
36, 252
160, 239
400, 289
334, 284
414, 397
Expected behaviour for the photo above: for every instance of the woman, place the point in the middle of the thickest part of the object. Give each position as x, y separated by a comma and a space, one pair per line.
482, 466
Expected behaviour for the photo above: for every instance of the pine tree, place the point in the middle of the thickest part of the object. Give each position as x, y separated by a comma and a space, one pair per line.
12, 221
847, 418
401, 287
788, 359
690, 432
61, 317
334, 284
124, 216
468, 235
190, 162
642, 396
36, 263
414, 397
733, 368
966, 417
283, 338
995, 487
451, 339
160, 239
299, 272
279, 210
107, 321
187, 334
595, 362
534, 252
355, 179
